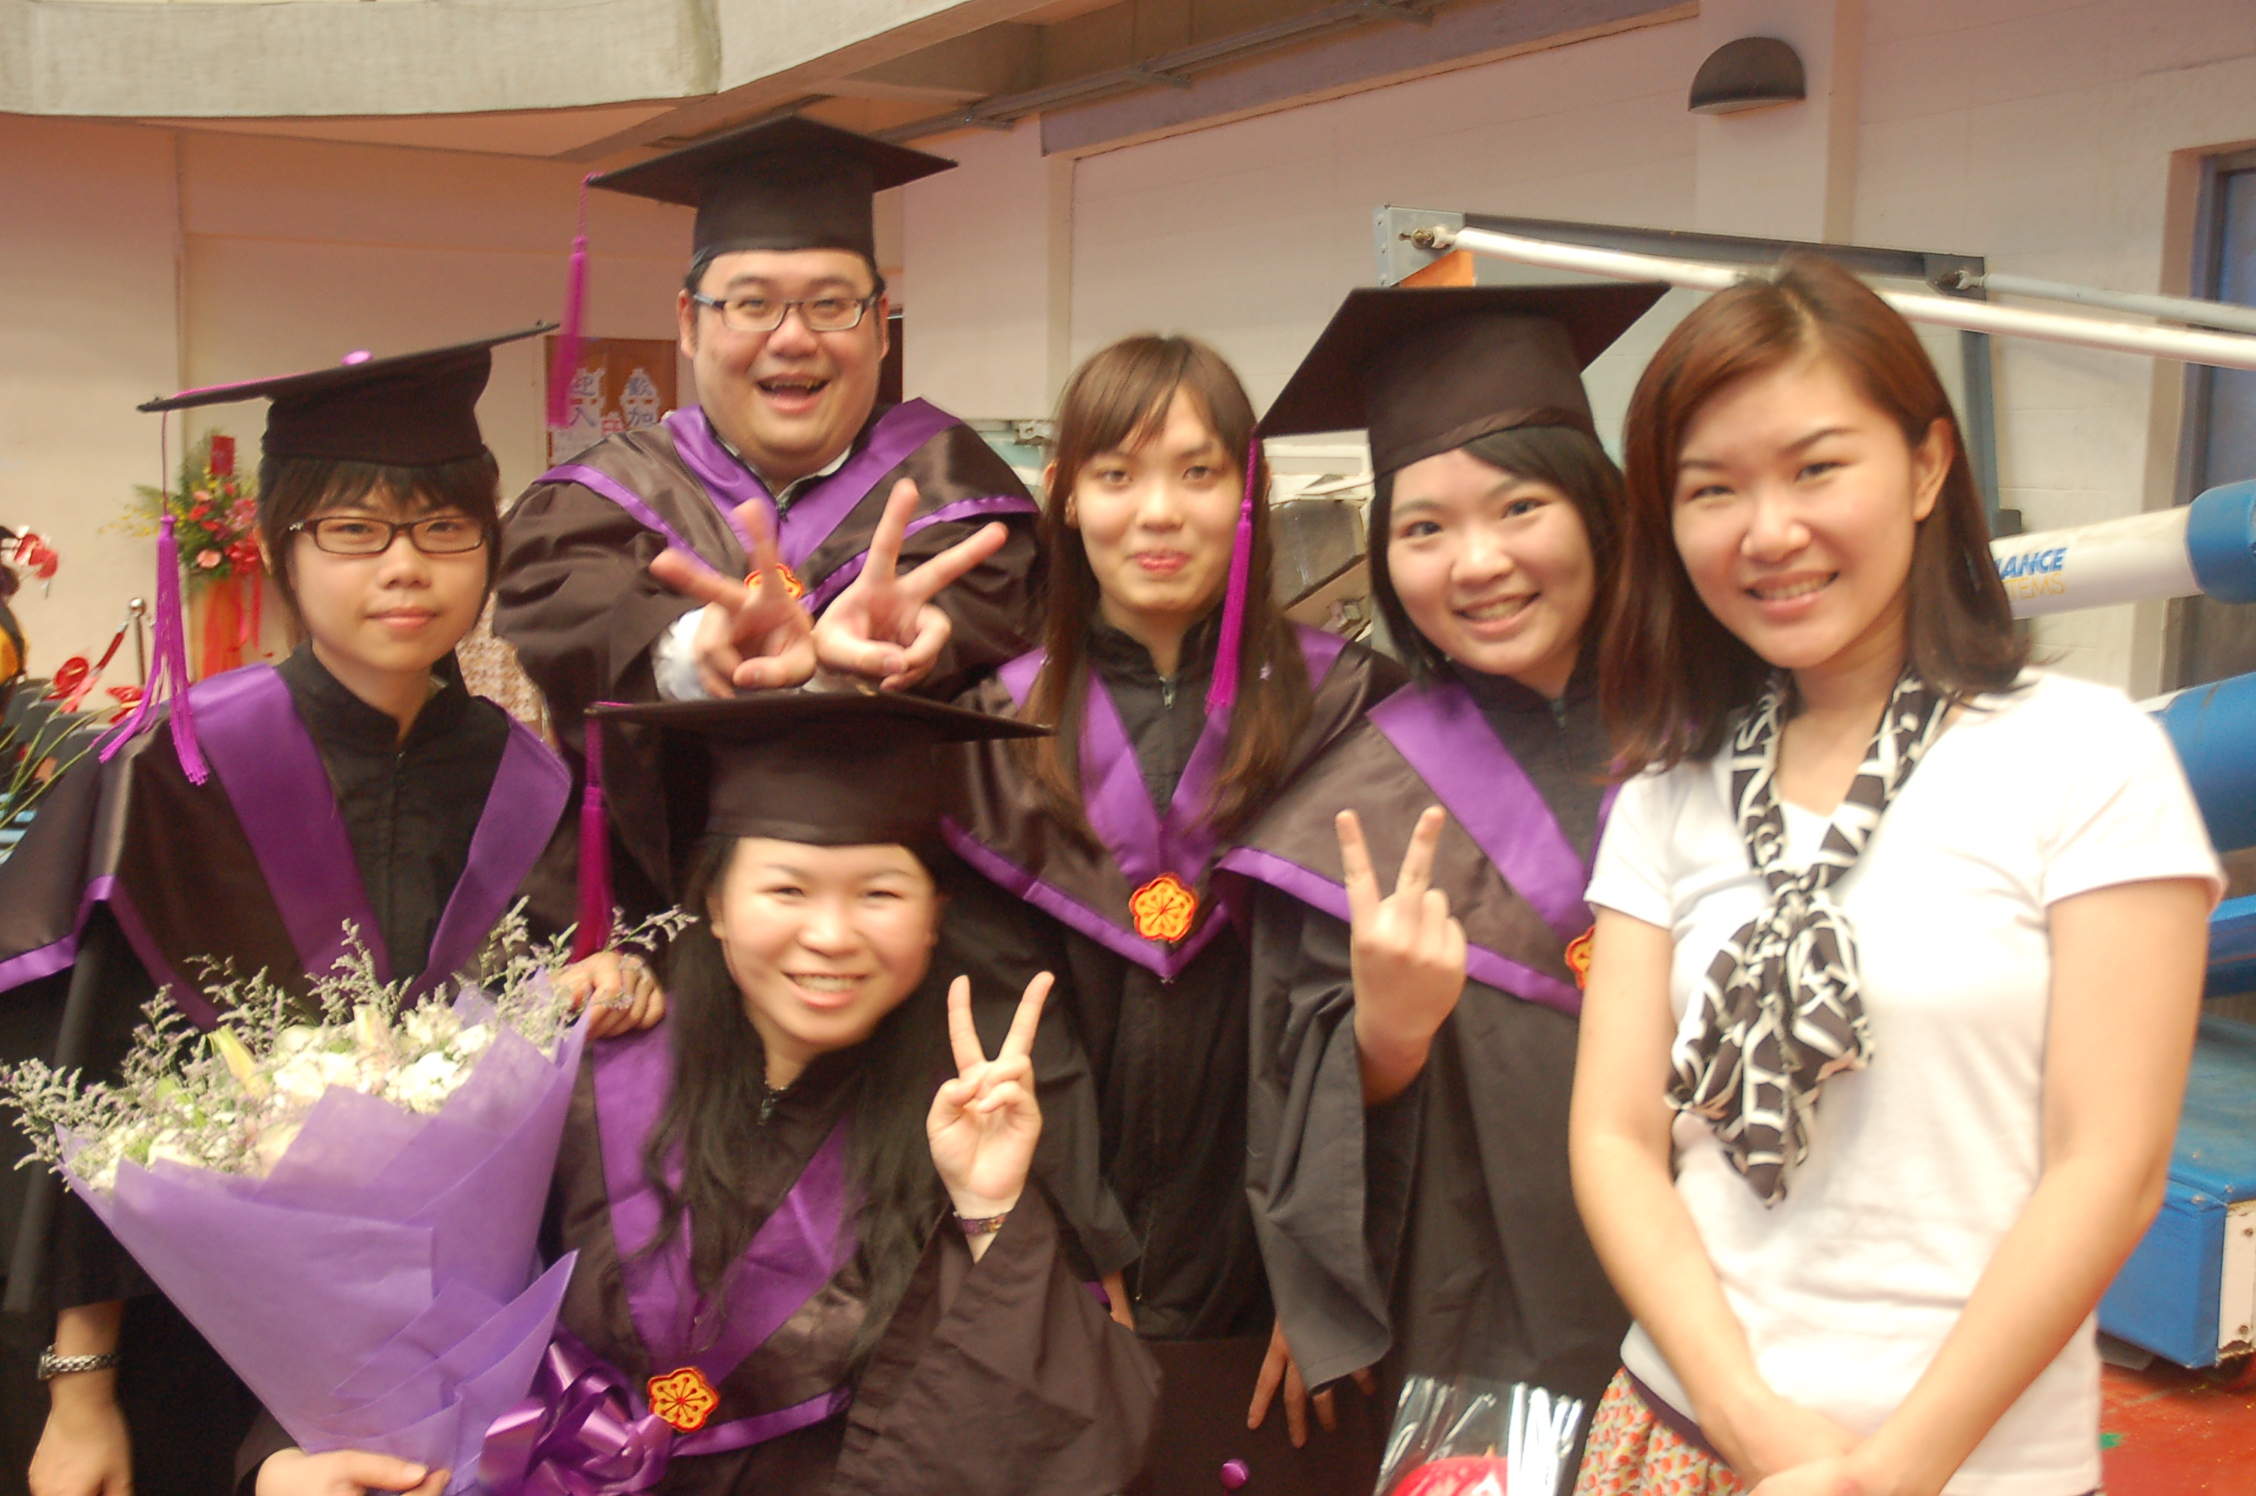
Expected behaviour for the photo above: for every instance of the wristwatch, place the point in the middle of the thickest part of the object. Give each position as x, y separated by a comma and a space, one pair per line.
52, 1365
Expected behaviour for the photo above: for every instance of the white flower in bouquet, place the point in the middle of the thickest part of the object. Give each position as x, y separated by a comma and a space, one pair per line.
343, 1161
233, 1100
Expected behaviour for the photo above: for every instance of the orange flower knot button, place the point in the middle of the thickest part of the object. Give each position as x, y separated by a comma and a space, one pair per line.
1578, 957
684, 1399
784, 573
1164, 909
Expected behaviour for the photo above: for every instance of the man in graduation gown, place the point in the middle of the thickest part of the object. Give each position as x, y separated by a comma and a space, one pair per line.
784, 318
1435, 1233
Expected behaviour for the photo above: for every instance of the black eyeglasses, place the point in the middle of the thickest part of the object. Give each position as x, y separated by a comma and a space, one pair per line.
766, 314
359, 535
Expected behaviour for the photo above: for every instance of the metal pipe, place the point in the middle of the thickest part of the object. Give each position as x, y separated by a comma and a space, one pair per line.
2207, 546
2199, 312
2211, 727
2223, 350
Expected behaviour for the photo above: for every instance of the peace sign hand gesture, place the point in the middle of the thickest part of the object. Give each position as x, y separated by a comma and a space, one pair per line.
984, 1123
884, 626
750, 638
1407, 956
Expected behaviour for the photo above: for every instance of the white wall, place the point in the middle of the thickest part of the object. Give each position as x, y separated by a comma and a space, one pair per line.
291, 253
987, 247
2038, 134
88, 323
1248, 234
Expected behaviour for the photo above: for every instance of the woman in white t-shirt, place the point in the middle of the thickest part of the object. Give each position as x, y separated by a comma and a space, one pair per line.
1879, 1068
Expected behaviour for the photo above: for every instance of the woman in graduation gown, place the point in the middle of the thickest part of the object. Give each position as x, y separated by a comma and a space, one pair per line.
1183, 700
357, 782
1413, 1056
809, 1260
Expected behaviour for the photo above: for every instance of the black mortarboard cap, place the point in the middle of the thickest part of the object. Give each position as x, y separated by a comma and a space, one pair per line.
828, 768
1427, 369
409, 410
790, 183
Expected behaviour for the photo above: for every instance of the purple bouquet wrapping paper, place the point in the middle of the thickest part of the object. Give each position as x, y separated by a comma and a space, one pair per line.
380, 1288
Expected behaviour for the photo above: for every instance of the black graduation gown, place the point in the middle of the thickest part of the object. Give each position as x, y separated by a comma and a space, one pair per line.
177, 860
1437, 1233
578, 603
1143, 1071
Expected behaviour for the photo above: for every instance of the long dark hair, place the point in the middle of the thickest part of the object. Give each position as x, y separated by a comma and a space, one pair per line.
1672, 677
293, 490
1118, 397
1566, 457
712, 1118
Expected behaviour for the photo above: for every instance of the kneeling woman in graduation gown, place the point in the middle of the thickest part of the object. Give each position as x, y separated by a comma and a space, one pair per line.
809, 1260
358, 782
1183, 700
1411, 1070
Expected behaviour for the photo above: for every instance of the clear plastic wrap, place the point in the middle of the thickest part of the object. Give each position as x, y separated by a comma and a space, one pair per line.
1471, 1437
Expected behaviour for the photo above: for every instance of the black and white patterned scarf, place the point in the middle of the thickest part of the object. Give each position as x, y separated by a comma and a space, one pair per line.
1780, 1009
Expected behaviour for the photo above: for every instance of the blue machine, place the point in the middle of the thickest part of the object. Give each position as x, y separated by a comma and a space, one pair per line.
2188, 1293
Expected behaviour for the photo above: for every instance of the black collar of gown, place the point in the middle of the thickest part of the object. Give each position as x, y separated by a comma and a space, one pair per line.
817, 1090
336, 716
1118, 656
1502, 695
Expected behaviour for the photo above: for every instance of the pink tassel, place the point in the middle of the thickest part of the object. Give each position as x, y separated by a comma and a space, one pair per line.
168, 669
568, 335
593, 931
1222, 690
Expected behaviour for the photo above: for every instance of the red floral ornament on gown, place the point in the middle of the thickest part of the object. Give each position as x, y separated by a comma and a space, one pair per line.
1164, 909
684, 1399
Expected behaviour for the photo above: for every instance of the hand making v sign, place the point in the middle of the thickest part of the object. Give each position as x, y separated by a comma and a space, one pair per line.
1407, 954
984, 1123
749, 638
884, 626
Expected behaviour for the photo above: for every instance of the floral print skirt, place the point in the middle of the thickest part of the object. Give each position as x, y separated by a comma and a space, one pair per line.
1633, 1452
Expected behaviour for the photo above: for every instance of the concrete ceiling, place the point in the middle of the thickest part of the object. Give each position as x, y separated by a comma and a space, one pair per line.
605, 81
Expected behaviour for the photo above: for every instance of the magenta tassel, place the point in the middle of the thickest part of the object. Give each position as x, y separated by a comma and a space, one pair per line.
593, 931
568, 335
1222, 690
168, 669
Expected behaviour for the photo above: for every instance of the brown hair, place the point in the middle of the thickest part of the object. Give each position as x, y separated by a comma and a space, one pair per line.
293, 490
1118, 397
1566, 457
1671, 676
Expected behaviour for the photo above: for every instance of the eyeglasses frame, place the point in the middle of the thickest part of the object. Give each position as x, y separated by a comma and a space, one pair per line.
311, 529
865, 303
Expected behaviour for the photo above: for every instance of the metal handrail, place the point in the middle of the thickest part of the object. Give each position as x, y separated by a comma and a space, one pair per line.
2219, 349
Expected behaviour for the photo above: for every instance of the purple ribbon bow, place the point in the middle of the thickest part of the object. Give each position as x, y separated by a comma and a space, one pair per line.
575, 1433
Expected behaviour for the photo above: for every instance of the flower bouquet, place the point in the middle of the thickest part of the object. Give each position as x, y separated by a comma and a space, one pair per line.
1471, 1437
344, 1201
214, 512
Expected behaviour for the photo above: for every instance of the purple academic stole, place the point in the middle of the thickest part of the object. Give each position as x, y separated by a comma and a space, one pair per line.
1441, 734
273, 778
791, 1258
818, 512
1164, 858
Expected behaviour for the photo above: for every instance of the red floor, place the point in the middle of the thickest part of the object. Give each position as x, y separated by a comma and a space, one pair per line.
2166, 1431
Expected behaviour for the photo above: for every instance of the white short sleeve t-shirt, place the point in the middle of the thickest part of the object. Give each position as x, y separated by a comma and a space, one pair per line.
1919, 1164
